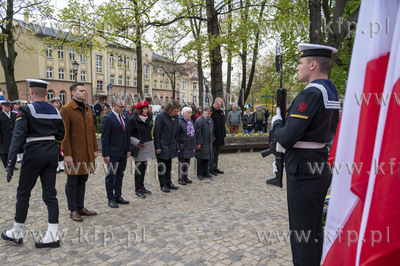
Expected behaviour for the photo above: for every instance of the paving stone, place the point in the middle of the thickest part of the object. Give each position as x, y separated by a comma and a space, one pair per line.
209, 222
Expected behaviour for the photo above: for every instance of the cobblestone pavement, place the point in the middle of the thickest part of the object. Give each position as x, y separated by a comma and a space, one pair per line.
233, 219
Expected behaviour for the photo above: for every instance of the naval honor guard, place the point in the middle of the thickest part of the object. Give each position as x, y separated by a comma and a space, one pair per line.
41, 125
311, 123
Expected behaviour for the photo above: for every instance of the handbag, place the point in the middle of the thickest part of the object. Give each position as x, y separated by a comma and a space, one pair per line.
135, 149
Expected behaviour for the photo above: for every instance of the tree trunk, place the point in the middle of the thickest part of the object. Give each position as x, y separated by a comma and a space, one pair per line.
315, 22
215, 53
229, 57
200, 74
8, 55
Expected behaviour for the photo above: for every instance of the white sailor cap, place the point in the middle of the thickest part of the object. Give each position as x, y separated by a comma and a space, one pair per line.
310, 49
55, 99
38, 83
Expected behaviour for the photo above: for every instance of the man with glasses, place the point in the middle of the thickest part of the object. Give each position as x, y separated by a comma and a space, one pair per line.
115, 149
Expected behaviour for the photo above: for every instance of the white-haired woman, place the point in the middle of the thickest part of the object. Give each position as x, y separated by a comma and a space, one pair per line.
186, 145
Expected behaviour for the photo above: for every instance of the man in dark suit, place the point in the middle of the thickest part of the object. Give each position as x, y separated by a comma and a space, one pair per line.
218, 118
116, 149
7, 123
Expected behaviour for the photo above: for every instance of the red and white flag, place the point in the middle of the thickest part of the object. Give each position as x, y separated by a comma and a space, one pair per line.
380, 224
359, 123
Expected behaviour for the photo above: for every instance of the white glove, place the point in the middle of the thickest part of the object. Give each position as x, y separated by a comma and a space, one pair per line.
279, 148
278, 116
274, 167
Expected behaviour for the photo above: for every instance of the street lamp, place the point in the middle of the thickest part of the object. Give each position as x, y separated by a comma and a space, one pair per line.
75, 67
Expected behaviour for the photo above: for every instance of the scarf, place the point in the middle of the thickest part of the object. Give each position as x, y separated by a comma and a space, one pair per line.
190, 128
143, 118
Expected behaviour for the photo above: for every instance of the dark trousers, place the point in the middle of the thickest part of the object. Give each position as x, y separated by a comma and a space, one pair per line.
259, 127
202, 167
115, 174
306, 195
164, 171
183, 168
75, 191
215, 155
4, 159
31, 169
140, 172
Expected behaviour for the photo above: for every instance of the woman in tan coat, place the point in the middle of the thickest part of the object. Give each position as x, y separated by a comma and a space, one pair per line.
80, 150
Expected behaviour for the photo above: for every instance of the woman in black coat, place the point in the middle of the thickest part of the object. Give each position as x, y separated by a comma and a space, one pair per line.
186, 145
166, 128
140, 125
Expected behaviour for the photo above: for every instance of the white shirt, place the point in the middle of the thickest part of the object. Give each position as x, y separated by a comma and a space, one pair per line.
8, 114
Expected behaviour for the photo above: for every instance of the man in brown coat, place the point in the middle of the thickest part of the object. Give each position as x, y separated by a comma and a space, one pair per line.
80, 150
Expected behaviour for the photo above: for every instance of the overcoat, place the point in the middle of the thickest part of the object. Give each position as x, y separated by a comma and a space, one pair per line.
205, 136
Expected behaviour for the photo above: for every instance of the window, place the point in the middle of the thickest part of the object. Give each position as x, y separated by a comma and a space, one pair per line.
146, 89
111, 60
72, 75
49, 51
119, 61
160, 84
61, 74
155, 84
112, 79
119, 80
166, 100
99, 63
134, 82
49, 72
62, 96
155, 69
134, 63
194, 74
127, 62
50, 94
99, 85
194, 86
83, 58
146, 71
61, 52
128, 79
71, 55
194, 99
83, 76
166, 85
155, 100
183, 100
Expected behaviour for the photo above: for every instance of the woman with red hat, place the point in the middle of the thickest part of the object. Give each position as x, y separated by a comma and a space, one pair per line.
140, 126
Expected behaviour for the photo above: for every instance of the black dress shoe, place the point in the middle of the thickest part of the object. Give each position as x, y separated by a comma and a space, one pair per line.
207, 176
165, 189
15, 241
145, 191
54, 244
122, 201
213, 172
218, 171
140, 194
113, 203
200, 177
15, 168
172, 186
188, 181
182, 182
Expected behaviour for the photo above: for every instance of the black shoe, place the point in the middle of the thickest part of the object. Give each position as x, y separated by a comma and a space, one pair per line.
213, 172
165, 189
113, 203
15, 241
122, 201
188, 181
145, 191
15, 168
207, 176
182, 182
55, 244
172, 186
218, 171
140, 194
200, 177
275, 182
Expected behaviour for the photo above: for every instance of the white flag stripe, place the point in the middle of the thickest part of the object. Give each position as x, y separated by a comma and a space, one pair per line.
366, 48
392, 76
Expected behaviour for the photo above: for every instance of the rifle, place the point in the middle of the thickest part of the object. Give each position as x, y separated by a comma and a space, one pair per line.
281, 96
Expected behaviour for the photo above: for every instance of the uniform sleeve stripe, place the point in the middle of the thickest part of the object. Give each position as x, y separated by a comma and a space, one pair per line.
299, 116
18, 119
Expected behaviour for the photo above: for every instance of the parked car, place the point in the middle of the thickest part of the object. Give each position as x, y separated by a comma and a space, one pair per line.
156, 109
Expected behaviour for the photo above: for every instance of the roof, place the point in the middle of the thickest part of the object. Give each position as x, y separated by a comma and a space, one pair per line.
161, 58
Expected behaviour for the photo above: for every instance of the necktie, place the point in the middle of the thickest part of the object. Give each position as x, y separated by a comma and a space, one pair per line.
122, 123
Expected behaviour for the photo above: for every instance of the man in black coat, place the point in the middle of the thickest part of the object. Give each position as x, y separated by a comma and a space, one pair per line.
204, 132
116, 149
218, 118
7, 123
